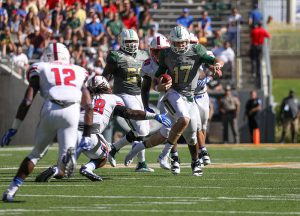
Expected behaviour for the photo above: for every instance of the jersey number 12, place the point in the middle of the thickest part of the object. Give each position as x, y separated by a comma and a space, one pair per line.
69, 75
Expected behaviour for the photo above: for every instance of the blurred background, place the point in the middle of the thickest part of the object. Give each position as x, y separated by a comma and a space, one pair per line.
257, 40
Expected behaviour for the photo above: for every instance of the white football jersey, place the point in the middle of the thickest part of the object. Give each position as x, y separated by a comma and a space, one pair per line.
149, 68
203, 88
104, 106
59, 81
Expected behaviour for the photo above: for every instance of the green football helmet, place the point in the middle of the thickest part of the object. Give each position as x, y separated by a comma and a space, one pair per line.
180, 39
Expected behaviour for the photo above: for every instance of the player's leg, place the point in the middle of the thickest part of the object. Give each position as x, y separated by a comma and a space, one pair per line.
98, 157
44, 136
202, 102
177, 107
190, 135
153, 140
139, 128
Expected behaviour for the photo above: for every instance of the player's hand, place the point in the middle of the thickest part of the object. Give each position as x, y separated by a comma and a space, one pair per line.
161, 87
84, 145
8, 136
217, 69
163, 119
148, 109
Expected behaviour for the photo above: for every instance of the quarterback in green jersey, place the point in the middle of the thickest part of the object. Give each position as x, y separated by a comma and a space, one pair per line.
182, 61
125, 65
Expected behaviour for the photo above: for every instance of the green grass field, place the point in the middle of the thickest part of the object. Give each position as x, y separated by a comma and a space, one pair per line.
243, 180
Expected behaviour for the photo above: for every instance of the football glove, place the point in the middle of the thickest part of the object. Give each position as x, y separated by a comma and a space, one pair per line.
163, 119
8, 136
84, 145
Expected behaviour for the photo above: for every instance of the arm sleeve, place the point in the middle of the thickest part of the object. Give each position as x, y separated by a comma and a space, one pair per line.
201, 52
111, 65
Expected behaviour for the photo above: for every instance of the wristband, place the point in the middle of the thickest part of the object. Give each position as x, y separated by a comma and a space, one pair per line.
16, 124
218, 64
150, 115
87, 130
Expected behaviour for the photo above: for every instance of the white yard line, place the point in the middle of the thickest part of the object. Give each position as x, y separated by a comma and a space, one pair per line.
178, 211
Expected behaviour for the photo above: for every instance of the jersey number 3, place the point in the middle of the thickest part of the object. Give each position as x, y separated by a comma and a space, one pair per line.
69, 75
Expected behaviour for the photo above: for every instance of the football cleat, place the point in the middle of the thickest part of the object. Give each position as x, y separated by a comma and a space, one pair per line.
143, 167
69, 162
46, 175
175, 165
8, 196
111, 157
204, 158
164, 162
196, 168
89, 174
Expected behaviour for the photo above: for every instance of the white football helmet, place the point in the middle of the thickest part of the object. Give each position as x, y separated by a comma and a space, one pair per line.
193, 38
179, 34
98, 85
56, 52
158, 43
129, 40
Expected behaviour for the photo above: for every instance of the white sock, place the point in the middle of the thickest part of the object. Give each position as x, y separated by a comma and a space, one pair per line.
174, 153
202, 149
141, 156
121, 143
90, 166
166, 151
138, 147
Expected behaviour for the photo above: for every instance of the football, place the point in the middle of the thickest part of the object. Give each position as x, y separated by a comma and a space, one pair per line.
165, 78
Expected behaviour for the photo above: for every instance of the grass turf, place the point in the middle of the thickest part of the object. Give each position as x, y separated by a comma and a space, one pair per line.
220, 191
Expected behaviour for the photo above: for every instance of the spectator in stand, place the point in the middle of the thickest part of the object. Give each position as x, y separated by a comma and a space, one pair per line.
218, 39
226, 54
255, 16
15, 25
128, 15
204, 23
10, 7
22, 9
230, 108
96, 5
80, 13
258, 35
21, 61
185, 19
6, 42
202, 38
3, 12
234, 26
36, 44
253, 107
114, 26
95, 30
110, 7
289, 115
74, 23
32, 6
58, 15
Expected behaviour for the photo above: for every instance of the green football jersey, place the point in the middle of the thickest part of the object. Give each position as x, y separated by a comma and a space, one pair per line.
126, 71
183, 68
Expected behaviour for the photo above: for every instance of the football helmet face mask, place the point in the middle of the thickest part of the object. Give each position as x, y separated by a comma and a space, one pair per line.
179, 39
56, 52
193, 39
129, 41
158, 43
98, 85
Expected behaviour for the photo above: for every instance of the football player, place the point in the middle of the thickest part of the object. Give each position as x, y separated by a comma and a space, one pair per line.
106, 105
62, 86
182, 61
125, 65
